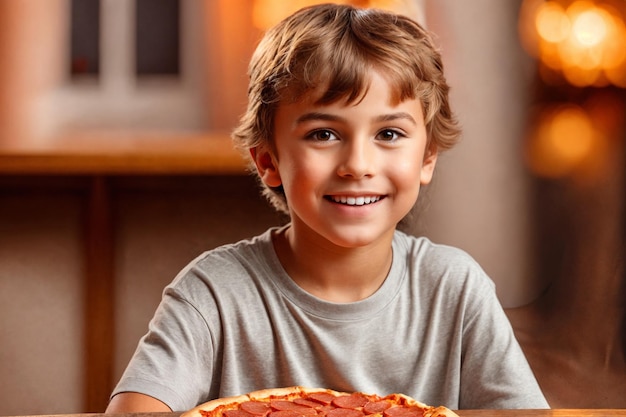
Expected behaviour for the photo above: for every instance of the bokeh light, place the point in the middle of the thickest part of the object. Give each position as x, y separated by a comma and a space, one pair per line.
563, 137
568, 140
584, 41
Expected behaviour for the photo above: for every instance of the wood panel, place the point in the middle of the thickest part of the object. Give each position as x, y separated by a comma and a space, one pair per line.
123, 153
99, 286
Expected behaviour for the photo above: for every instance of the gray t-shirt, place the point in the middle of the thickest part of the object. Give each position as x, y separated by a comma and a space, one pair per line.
233, 321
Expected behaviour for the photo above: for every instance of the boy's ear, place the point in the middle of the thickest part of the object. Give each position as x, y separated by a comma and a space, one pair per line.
428, 165
266, 166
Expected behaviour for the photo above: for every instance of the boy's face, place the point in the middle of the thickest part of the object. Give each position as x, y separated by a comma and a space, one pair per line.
350, 172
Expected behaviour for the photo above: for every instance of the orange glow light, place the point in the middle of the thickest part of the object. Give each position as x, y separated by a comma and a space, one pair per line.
584, 40
563, 140
588, 24
551, 22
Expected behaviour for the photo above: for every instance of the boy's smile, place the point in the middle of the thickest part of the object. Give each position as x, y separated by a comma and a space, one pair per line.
352, 171
354, 201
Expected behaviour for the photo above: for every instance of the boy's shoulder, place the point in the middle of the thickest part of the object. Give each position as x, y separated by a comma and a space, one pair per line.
423, 248
243, 247
439, 261
227, 260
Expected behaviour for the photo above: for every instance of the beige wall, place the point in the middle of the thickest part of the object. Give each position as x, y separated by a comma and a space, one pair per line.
480, 196
40, 302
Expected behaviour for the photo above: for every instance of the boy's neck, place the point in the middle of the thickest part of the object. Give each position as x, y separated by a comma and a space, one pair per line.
339, 275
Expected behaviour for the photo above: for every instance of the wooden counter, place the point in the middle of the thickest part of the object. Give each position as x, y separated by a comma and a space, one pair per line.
123, 153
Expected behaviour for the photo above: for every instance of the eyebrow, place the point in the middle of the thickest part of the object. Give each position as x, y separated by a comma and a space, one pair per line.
396, 116
312, 116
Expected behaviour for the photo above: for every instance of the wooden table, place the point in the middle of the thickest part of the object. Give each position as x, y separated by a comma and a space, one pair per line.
461, 413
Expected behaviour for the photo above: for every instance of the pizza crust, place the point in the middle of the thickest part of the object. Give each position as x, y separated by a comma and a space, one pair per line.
213, 404
306, 390
286, 393
411, 400
440, 412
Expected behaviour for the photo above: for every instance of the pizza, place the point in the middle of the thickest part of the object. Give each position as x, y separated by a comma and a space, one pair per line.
316, 402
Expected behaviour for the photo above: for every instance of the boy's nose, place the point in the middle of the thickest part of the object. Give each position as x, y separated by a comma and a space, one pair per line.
357, 160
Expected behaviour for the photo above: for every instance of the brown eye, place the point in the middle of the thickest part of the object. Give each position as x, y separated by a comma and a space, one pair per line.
322, 135
388, 135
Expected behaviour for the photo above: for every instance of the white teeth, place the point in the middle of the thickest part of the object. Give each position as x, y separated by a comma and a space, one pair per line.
355, 201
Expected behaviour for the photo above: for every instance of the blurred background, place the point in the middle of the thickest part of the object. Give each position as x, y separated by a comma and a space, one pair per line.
116, 167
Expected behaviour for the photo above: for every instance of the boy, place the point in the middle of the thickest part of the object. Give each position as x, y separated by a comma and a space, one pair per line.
348, 110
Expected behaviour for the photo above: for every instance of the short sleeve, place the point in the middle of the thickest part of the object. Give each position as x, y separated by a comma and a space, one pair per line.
176, 352
494, 371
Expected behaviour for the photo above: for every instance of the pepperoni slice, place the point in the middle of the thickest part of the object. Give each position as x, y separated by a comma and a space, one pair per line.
285, 405
256, 408
403, 412
376, 407
237, 413
344, 412
285, 413
323, 409
322, 397
353, 401
306, 402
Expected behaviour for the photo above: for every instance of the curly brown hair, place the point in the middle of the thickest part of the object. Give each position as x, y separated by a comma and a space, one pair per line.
336, 47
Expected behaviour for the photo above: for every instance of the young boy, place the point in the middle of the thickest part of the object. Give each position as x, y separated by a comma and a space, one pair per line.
348, 110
